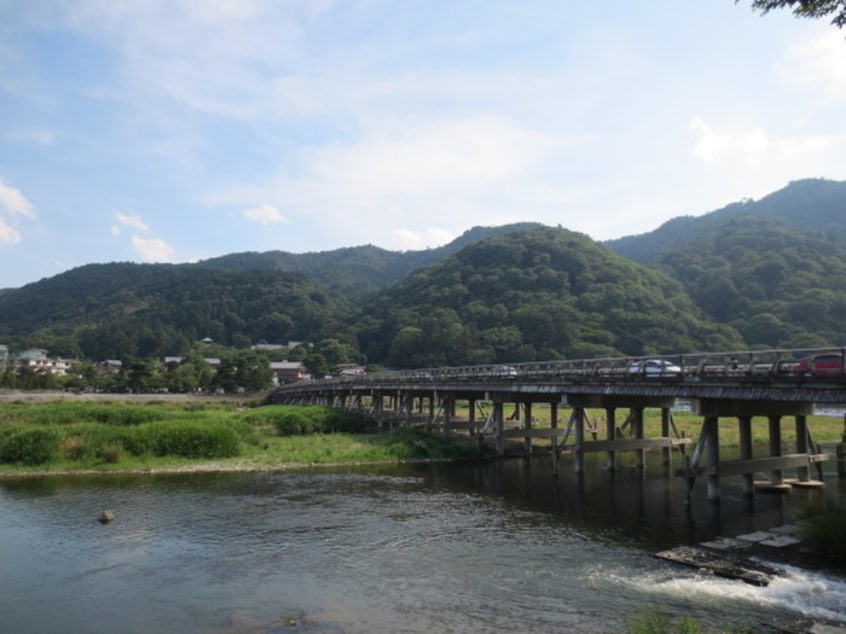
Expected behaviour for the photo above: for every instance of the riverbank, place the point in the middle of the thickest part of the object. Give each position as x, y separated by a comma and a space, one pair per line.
62, 436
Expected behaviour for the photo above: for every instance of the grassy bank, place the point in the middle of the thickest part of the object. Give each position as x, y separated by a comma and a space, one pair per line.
67, 435
72, 434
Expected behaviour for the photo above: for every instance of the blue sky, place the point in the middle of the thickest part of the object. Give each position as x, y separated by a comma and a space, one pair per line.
178, 130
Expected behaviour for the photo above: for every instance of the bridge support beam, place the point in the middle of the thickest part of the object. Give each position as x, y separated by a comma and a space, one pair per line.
556, 451
611, 435
499, 424
747, 465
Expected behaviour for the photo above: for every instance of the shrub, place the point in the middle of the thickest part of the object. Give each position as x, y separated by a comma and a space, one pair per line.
73, 447
825, 532
296, 421
190, 440
30, 447
110, 452
656, 622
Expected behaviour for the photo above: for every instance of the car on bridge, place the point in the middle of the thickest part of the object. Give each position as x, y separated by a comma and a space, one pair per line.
820, 364
654, 368
505, 372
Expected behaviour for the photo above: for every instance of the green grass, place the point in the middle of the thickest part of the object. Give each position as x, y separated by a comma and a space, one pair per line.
107, 436
825, 531
113, 434
653, 621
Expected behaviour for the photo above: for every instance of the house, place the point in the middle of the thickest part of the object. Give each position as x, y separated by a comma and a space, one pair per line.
109, 367
213, 362
36, 360
350, 369
287, 371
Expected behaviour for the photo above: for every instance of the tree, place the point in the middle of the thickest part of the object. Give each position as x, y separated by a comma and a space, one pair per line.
806, 8
253, 372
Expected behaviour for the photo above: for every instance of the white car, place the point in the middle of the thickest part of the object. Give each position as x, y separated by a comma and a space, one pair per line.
505, 371
655, 367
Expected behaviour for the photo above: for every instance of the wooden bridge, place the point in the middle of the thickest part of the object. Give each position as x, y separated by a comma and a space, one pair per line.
772, 384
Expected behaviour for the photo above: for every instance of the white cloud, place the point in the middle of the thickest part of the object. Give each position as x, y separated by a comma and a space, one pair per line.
131, 220
713, 144
410, 157
411, 240
818, 62
8, 234
14, 202
153, 249
265, 214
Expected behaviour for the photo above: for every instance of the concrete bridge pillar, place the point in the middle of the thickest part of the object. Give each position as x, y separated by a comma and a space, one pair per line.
803, 473
528, 426
499, 422
711, 428
744, 428
556, 451
666, 417
579, 423
776, 475
637, 425
449, 410
611, 434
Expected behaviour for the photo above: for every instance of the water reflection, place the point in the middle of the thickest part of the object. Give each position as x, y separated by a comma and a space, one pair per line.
471, 547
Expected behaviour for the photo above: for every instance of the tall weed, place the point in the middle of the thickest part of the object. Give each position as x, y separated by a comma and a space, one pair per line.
30, 447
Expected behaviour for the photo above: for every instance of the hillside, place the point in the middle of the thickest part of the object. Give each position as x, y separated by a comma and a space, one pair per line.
538, 293
355, 272
780, 287
745, 275
114, 310
816, 205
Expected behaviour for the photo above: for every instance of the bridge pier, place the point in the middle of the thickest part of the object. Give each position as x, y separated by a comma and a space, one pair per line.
764, 386
775, 463
611, 435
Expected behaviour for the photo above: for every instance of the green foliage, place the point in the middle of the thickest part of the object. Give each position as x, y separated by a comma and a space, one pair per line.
409, 443
778, 286
529, 294
189, 439
654, 621
825, 532
293, 421
807, 8
30, 447
768, 273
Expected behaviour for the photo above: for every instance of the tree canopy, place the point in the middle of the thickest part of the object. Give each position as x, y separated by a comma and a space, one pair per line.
806, 8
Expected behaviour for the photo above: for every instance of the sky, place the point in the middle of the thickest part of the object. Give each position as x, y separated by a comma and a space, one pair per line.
180, 130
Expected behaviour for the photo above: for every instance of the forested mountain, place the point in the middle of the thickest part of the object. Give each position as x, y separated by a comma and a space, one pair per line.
113, 310
354, 272
538, 293
778, 286
809, 205
745, 275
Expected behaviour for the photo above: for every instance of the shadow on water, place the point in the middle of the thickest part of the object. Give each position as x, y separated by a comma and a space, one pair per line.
483, 547
646, 507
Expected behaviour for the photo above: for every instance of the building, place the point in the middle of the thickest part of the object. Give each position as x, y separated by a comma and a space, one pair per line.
36, 360
287, 371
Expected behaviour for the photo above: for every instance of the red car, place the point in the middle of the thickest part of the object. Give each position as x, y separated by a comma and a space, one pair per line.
822, 364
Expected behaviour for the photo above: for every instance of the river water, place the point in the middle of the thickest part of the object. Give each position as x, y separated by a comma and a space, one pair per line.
493, 547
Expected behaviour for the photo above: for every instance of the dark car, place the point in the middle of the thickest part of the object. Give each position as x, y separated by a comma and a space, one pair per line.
821, 364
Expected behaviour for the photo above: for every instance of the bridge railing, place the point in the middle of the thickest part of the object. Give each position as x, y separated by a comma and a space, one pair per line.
802, 364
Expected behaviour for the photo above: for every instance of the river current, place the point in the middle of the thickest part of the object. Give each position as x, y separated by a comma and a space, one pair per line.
493, 547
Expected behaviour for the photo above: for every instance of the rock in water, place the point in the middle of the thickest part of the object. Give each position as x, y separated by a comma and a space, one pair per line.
106, 517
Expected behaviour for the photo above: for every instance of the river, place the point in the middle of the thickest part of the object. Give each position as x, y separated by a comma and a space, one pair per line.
487, 547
